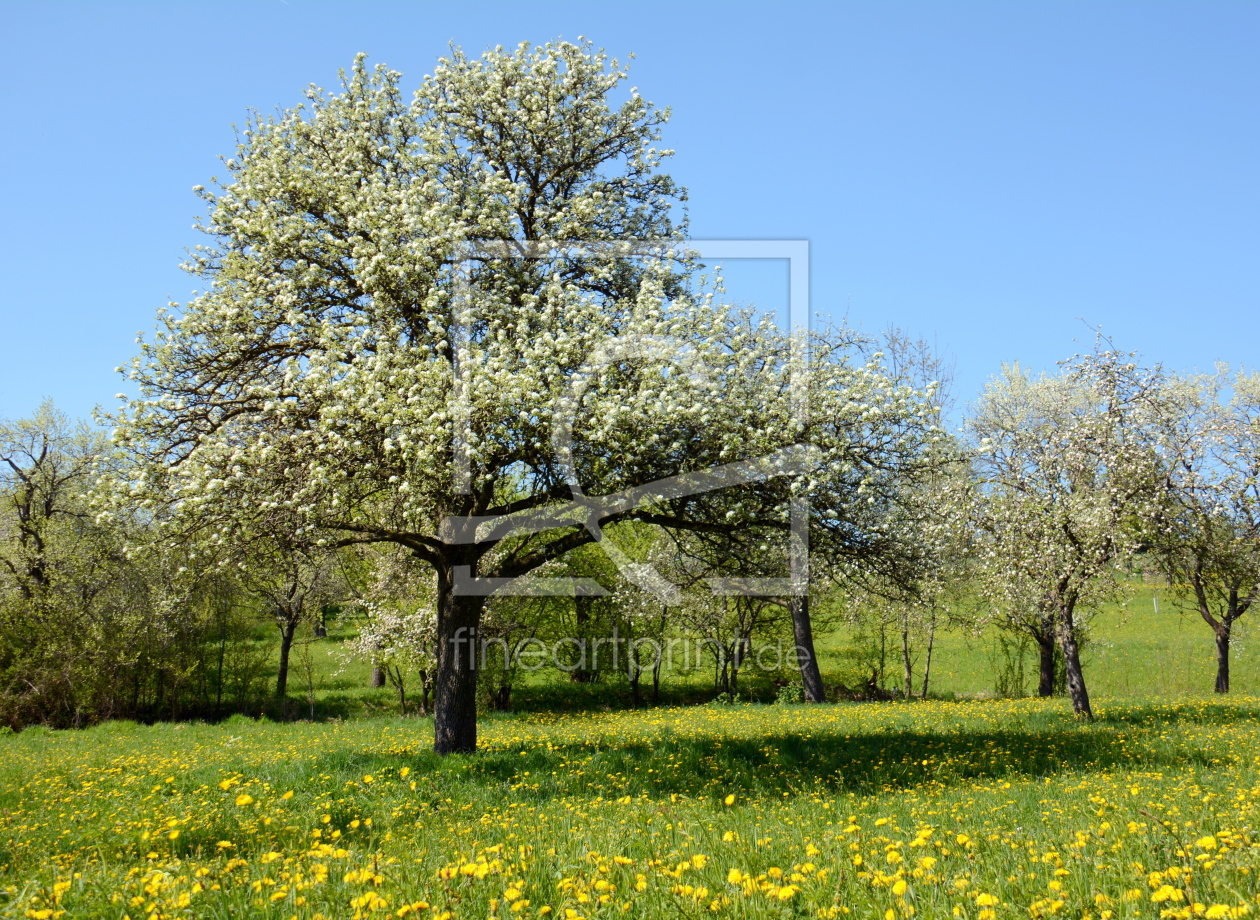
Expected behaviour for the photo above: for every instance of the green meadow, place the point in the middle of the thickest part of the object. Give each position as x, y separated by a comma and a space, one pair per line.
959, 806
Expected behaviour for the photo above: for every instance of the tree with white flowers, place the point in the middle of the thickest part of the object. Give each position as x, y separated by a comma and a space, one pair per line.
466, 324
399, 630
1207, 540
1069, 470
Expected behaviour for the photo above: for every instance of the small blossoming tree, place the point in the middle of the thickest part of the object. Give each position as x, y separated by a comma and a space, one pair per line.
1207, 540
1069, 469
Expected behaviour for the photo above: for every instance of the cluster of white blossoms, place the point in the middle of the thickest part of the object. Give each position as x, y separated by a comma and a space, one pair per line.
1065, 464
398, 630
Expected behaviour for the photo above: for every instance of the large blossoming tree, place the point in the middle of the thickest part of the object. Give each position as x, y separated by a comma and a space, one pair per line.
466, 324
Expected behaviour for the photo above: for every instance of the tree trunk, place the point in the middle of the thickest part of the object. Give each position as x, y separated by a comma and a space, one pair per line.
927, 664
737, 662
633, 672
218, 689
582, 605
1045, 680
287, 630
1072, 663
455, 705
503, 697
803, 634
907, 666
1222, 628
1222, 658
378, 676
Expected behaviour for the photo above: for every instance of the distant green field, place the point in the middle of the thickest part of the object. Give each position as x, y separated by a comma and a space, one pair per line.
1132, 650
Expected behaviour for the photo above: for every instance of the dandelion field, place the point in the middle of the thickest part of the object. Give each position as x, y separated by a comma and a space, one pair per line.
983, 810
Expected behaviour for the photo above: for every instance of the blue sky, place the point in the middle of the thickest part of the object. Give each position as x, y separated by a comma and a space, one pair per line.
984, 175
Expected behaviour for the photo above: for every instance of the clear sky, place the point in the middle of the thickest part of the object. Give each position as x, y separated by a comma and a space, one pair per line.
984, 175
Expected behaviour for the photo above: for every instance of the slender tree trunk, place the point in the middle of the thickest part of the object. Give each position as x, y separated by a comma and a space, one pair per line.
1222, 657
455, 706
803, 634
1222, 628
927, 663
883, 656
218, 689
633, 672
309, 669
424, 692
502, 695
1072, 663
907, 666
286, 645
737, 662
582, 605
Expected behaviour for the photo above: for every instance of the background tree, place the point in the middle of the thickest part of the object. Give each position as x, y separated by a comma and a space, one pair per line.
926, 581
1207, 542
292, 577
64, 581
99, 617
47, 466
1067, 467
399, 630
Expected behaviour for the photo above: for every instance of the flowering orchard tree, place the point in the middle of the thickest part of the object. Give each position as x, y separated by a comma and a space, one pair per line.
401, 342
1068, 469
931, 588
1208, 539
927, 579
399, 632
